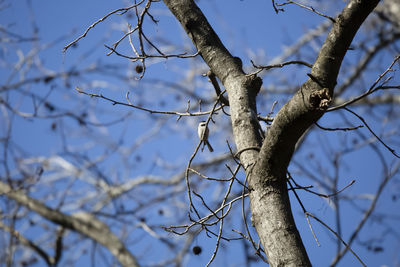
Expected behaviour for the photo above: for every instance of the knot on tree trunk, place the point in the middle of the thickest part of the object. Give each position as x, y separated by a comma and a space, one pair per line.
253, 83
320, 99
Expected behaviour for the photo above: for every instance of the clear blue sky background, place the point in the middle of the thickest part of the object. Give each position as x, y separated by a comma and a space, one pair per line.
245, 27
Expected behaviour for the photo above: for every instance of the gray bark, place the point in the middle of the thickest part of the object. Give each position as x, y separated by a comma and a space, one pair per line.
266, 170
270, 205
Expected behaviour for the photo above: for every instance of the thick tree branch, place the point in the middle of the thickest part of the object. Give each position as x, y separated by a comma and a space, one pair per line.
241, 89
270, 205
82, 223
207, 42
305, 106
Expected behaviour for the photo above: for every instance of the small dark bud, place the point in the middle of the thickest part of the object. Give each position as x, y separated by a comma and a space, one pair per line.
49, 106
196, 250
48, 79
53, 126
81, 121
139, 68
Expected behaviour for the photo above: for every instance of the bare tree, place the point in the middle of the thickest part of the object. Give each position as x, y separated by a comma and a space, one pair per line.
109, 184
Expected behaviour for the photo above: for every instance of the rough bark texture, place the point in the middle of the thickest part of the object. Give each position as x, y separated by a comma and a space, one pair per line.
270, 206
82, 223
242, 89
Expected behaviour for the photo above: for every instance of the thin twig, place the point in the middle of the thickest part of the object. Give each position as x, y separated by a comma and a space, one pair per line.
278, 65
308, 8
373, 133
192, 158
303, 208
339, 129
129, 104
182, 55
122, 10
319, 194
332, 231
372, 88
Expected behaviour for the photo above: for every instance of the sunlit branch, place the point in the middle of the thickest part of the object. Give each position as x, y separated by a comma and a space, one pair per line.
129, 104
308, 8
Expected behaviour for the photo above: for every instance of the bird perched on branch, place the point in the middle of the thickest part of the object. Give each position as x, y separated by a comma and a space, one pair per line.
203, 132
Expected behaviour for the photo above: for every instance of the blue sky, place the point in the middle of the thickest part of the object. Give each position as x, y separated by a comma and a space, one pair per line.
250, 30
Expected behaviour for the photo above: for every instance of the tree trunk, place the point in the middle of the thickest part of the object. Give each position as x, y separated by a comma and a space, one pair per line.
266, 167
